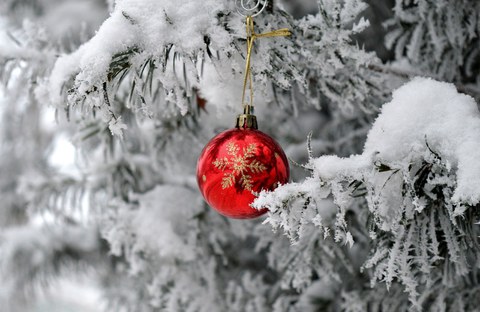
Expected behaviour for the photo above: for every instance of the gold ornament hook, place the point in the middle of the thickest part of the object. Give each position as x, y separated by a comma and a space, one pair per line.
247, 119
249, 8
251, 36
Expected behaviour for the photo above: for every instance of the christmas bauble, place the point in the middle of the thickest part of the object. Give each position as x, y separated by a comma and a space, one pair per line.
235, 165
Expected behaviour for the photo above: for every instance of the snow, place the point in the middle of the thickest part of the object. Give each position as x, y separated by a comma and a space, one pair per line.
117, 126
331, 166
321, 213
91, 61
75, 294
147, 25
423, 111
160, 221
62, 156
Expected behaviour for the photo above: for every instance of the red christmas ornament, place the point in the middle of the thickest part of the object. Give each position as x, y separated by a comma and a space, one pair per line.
238, 163
243, 161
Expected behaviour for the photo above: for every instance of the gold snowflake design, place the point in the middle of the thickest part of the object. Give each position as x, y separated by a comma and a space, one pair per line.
239, 166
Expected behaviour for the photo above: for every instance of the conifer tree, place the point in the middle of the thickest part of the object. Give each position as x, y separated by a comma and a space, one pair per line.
374, 103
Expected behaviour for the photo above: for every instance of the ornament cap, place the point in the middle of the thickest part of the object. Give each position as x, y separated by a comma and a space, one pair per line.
247, 120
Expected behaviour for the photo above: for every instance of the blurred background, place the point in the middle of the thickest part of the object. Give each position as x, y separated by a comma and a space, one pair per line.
34, 143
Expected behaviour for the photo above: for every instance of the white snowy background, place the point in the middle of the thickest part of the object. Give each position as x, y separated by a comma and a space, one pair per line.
73, 292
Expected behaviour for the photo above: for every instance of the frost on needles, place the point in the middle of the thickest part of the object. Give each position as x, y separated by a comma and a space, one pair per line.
149, 50
419, 178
